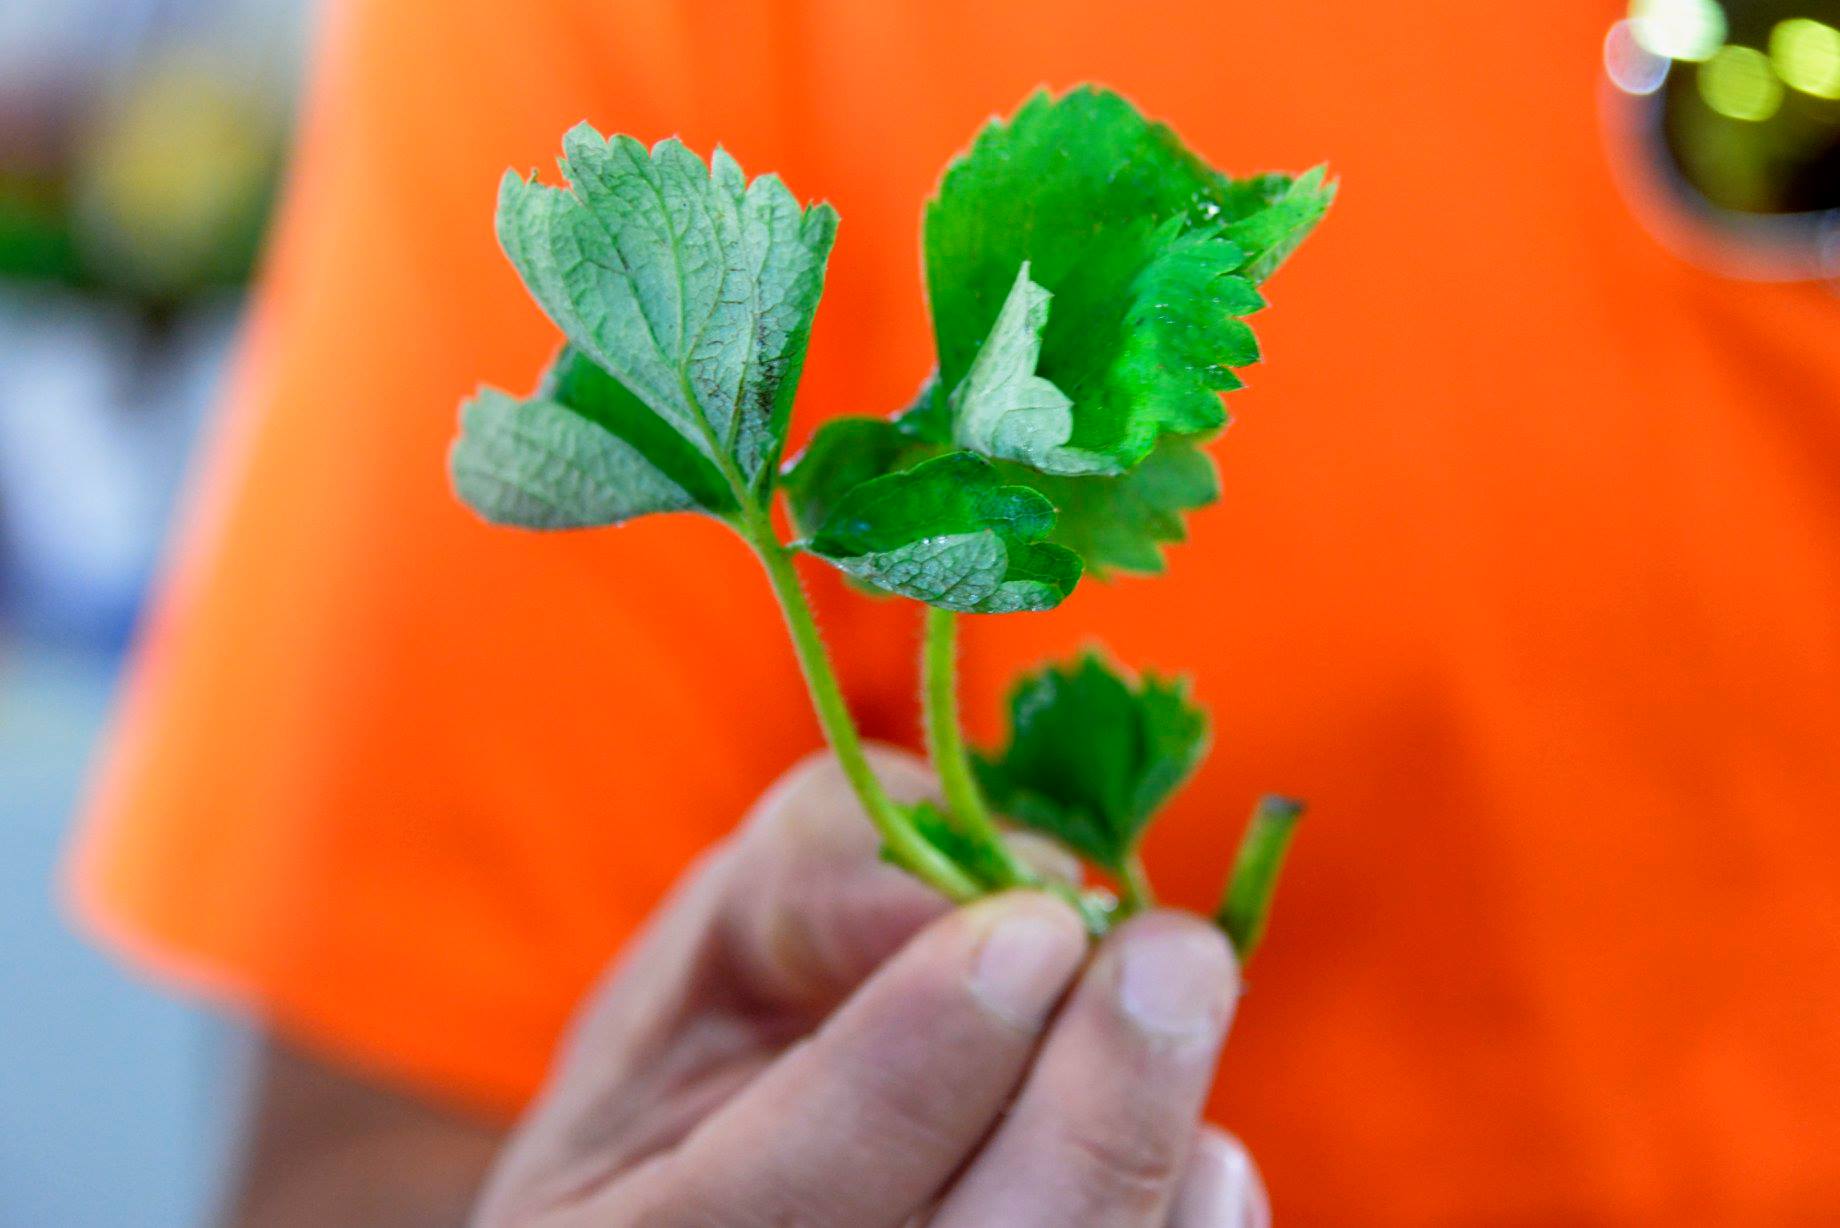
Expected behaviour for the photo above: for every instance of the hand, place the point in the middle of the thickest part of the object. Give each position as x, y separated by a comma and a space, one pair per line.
806, 1036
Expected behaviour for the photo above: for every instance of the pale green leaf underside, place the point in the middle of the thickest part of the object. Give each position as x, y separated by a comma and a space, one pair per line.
949, 532
960, 571
536, 464
1004, 410
692, 287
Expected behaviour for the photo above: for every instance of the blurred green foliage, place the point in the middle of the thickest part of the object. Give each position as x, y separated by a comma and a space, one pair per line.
161, 194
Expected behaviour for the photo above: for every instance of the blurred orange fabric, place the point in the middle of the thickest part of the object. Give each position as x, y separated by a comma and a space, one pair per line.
1527, 575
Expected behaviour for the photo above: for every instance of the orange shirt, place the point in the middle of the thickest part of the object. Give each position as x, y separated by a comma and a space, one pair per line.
1527, 575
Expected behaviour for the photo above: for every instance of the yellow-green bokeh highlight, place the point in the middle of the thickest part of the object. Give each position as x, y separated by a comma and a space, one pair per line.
1739, 83
174, 179
1806, 55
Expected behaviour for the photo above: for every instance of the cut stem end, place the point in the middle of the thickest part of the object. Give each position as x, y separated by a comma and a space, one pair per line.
1245, 906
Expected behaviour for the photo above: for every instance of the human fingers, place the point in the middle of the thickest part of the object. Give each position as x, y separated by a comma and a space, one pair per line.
758, 941
811, 908
862, 1125
1220, 1186
785, 917
1101, 1129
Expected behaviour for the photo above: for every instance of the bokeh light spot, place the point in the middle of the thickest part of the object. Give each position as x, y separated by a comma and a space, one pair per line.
1632, 68
1678, 29
1806, 54
1739, 83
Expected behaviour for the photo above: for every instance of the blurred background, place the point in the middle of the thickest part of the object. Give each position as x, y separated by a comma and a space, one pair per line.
141, 143
140, 147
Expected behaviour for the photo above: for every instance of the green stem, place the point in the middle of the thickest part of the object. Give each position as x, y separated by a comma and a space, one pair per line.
1134, 892
945, 744
1246, 903
904, 843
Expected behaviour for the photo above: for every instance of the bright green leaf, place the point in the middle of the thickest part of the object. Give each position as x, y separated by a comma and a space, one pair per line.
1270, 215
1121, 523
950, 533
845, 453
1113, 523
689, 285
1091, 758
1127, 229
1088, 278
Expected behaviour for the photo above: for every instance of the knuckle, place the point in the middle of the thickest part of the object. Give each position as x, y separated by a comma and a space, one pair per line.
814, 802
811, 810
1122, 1168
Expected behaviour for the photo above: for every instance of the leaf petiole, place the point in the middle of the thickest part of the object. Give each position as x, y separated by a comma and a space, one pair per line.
904, 842
945, 745
1134, 892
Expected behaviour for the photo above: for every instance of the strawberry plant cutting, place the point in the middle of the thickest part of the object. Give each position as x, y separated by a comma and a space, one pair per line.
1088, 279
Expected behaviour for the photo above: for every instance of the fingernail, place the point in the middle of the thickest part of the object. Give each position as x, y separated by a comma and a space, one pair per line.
1025, 961
1174, 980
1220, 1190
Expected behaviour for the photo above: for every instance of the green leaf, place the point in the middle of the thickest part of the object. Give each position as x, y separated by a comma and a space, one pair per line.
1088, 276
950, 533
1091, 758
537, 465
842, 455
973, 856
575, 381
1129, 230
1270, 215
1121, 523
1114, 523
689, 285
581, 452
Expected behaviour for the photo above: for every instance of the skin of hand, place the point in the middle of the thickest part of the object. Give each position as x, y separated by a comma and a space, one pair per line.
806, 1036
